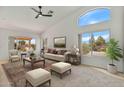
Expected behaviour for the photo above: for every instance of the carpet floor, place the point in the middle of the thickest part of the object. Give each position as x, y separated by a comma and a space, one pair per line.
81, 76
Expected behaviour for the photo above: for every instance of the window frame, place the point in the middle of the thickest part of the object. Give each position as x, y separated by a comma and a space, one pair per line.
28, 40
93, 10
100, 30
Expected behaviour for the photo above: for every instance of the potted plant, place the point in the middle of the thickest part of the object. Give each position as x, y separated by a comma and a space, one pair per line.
114, 52
32, 55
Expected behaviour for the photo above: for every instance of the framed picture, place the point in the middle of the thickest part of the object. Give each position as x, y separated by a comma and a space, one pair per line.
60, 42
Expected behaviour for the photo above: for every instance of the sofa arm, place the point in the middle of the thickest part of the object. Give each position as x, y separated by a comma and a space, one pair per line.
66, 56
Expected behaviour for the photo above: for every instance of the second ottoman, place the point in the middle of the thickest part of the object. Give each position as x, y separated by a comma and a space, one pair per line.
61, 68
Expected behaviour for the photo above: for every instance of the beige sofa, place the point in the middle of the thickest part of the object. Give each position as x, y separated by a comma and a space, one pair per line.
56, 56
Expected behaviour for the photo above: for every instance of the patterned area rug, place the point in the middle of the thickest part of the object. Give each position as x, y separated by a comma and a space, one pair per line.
81, 76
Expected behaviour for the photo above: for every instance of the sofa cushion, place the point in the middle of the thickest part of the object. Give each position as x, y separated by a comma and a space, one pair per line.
48, 50
61, 52
54, 51
54, 56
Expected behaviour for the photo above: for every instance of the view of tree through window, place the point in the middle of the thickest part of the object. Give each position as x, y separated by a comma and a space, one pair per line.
94, 43
25, 45
94, 17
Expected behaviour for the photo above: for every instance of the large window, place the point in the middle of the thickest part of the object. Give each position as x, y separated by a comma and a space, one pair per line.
25, 44
94, 43
94, 17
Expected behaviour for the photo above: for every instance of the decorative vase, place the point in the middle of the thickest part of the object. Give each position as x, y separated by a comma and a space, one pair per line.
112, 68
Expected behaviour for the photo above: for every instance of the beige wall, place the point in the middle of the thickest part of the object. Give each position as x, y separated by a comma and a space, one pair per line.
68, 27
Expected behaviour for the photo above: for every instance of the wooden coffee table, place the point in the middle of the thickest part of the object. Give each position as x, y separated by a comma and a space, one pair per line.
33, 61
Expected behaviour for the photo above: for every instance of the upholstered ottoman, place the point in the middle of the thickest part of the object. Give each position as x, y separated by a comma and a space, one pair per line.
61, 68
38, 77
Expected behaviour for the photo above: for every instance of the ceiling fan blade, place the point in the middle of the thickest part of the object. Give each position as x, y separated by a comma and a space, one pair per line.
37, 15
50, 12
35, 10
46, 15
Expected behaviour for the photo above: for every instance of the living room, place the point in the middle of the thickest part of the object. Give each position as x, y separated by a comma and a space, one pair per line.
64, 26
69, 27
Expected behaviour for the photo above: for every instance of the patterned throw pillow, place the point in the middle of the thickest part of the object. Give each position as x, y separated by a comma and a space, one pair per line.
49, 50
61, 52
54, 51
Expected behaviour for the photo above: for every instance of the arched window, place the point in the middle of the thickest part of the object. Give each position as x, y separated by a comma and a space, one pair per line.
94, 17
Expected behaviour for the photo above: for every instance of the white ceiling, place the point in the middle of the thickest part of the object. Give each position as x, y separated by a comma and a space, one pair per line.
22, 17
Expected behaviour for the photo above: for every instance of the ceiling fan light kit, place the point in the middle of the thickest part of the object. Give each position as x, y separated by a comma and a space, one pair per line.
40, 13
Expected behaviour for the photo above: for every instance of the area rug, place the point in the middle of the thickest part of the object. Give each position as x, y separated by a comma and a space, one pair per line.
16, 72
81, 76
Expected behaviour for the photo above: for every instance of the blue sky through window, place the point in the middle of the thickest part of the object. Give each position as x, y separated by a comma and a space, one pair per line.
33, 41
94, 17
86, 37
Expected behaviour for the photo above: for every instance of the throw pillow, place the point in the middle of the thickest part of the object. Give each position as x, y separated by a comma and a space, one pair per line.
49, 50
63, 52
59, 52
54, 51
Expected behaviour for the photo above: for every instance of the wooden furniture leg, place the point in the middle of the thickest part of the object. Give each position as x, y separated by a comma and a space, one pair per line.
49, 83
32, 66
44, 64
23, 62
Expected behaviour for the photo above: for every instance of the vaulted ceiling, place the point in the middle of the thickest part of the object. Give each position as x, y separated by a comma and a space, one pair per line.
23, 18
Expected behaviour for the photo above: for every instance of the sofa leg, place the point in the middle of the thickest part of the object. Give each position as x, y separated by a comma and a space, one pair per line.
51, 71
26, 83
70, 71
49, 83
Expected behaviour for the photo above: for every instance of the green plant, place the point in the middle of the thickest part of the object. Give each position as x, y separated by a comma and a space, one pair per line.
32, 54
85, 48
113, 51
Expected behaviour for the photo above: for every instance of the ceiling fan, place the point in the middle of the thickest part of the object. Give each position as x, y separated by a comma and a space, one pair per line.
40, 13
